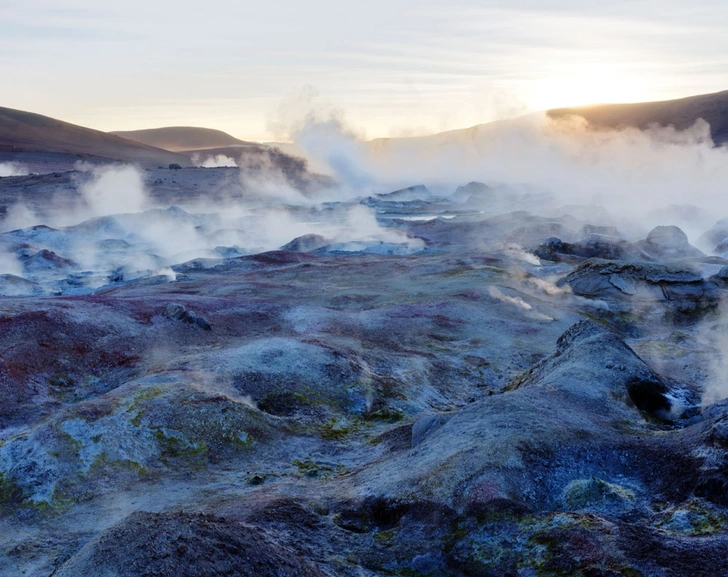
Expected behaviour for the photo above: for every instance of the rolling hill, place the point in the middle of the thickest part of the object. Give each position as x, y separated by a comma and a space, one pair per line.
505, 134
178, 138
22, 133
681, 113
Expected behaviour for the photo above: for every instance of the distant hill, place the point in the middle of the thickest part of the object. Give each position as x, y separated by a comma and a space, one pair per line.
681, 113
482, 138
200, 144
178, 138
25, 132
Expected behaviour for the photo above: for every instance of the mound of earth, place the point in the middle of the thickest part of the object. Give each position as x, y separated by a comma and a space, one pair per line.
179, 138
33, 133
185, 545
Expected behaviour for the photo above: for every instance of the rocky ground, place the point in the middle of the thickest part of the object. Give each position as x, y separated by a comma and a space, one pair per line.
414, 383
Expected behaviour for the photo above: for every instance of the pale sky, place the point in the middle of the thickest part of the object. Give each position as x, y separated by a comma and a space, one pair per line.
391, 67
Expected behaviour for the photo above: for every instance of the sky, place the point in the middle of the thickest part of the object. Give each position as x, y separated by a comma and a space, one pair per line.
389, 67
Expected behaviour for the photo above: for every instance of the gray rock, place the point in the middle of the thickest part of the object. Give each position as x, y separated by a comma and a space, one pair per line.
596, 493
719, 431
175, 311
203, 324
668, 242
626, 285
667, 237
591, 246
672, 287
306, 243
46, 260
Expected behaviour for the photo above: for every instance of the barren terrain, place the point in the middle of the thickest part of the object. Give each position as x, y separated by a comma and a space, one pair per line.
211, 371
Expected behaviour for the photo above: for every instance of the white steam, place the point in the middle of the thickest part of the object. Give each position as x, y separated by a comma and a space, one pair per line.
10, 265
714, 336
630, 172
331, 144
264, 182
213, 161
633, 174
496, 293
18, 216
113, 190
12, 169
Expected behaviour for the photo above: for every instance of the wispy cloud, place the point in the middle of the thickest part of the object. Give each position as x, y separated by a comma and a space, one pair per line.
398, 63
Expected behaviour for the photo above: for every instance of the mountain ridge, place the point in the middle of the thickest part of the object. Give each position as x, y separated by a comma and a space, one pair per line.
29, 132
183, 138
681, 113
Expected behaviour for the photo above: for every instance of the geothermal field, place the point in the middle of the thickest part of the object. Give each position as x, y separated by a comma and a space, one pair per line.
491, 352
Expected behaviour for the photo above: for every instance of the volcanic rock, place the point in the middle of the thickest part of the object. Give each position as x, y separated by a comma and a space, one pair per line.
571, 409
591, 246
306, 243
185, 545
668, 242
46, 260
175, 311
674, 288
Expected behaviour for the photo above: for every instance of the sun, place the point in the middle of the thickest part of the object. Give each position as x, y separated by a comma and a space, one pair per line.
587, 85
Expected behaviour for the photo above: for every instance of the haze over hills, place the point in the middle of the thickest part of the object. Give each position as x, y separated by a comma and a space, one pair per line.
681, 113
198, 144
178, 138
42, 144
27, 132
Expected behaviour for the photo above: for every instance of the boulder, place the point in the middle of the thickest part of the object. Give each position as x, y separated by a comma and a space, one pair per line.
668, 242
306, 243
178, 312
175, 311
658, 287
595, 493
591, 246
